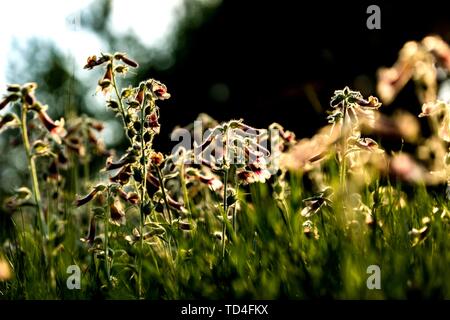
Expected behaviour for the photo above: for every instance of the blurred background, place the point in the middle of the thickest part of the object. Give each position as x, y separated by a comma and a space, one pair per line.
262, 61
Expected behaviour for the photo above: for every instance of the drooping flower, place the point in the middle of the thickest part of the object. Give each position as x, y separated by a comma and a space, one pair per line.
55, 128
123, 57
315, 203
158, 89
441, 112
9, 98
117, 213
93, 61
83, 200
105, 83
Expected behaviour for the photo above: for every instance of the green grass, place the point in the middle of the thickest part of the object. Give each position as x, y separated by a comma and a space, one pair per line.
266, 258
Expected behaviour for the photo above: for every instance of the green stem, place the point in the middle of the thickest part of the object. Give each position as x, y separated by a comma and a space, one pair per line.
161, 182
121, 107
225, 210
106, 222
33, 173
143, 189
342, 173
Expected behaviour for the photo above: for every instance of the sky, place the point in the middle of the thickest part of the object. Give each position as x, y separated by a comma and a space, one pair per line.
152, 21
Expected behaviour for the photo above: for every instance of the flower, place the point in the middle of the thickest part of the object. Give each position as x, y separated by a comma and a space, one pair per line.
436, 109
117, 213
105, 83
123, 57
153, 122
315, 203
92, 61
158, 89
55, 128
156, 158
81, 201
123, 176
9, 98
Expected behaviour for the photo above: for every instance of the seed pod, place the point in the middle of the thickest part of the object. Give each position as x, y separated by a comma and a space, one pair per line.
13, 88
113, 104
123, 57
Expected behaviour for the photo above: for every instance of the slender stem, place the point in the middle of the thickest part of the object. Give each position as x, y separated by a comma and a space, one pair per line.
106, 222
184, 188
34, 179
143, 189
121, 107
343, 160
225, 210
236, 188
161, 182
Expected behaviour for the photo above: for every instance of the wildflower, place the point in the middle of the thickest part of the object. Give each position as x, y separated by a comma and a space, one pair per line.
310, 230
436, 109
153, 123
156, 158
366, 144
105, 83
8, 120
158, 89
140, 94
123, 57
117, 213
350, 107
175, 204
127, 158
123, 176
315, 203
81, 201
93, 61
306, 153
9, 98
55, 128
133, 198
439, 48
419, 235
405, 168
